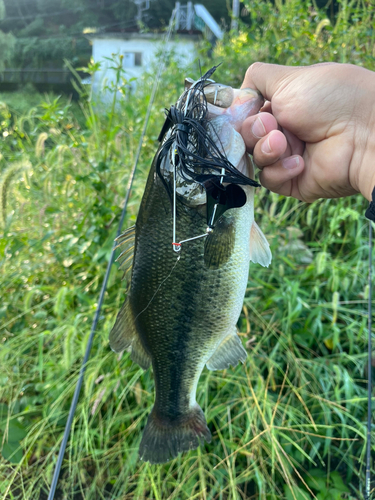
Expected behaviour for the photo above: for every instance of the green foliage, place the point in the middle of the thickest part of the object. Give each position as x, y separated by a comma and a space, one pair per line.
32, 51
12, 432
20, 103
48, 31
289, 424
329, 487
5, 181
2, 10
294, 32
7, 44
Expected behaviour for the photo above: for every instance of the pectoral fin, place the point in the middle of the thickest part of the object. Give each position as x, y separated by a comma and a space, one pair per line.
229, 352
260, 252
219, 244
125, 336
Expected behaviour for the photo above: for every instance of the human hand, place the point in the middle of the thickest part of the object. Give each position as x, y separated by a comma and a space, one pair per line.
315, 138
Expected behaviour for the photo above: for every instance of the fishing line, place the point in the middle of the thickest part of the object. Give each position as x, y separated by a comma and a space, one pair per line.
369, 372
157, 290
106, 277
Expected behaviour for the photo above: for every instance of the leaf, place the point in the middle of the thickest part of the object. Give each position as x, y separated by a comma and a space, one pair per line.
102, 166
99, 186
12, 452
3, 311
329, 343
3, 412
16, 431
321, 496
296, 493
40, 314
317, 483
336, 494
338, 482
82, 248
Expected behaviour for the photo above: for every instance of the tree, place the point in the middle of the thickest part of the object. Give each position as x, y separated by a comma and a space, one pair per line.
47, 31
7, 42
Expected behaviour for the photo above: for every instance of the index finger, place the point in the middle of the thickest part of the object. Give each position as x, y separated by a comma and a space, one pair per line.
267, 78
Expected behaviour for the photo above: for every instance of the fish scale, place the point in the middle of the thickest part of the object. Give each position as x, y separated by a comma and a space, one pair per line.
181, 309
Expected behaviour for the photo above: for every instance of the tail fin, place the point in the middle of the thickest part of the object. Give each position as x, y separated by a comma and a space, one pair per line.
163, 439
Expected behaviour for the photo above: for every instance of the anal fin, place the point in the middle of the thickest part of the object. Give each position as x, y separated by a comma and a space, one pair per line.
139, 355
125, 336
229, 352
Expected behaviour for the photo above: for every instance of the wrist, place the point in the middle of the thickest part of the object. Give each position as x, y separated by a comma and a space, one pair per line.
366, 173
366, 178
364, 149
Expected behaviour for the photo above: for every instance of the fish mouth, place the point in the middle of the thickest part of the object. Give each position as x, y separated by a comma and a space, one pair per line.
247, 94
244, 96
225, 96
222, 99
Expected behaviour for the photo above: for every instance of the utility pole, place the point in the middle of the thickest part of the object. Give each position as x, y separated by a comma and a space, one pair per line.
189, 16
142, 5
235, 14
178, 16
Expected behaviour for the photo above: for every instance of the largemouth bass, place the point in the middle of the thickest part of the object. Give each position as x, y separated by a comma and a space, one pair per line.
186, 293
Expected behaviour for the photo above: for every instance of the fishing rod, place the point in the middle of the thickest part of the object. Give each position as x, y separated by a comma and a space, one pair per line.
77, 390
369, 372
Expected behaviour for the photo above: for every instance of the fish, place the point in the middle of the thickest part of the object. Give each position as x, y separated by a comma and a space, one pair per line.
184, 297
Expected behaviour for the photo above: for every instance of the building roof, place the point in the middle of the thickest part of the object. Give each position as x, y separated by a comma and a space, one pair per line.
190, 22
136, 35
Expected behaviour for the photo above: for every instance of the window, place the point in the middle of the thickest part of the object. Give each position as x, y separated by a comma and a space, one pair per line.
132, 59
138, 58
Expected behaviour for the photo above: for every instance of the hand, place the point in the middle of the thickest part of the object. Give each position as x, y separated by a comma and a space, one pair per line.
315, 138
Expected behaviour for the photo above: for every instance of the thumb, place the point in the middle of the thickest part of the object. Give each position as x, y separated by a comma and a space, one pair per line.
267, 78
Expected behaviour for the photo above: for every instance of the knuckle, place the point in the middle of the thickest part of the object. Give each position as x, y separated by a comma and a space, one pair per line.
253, 69
256, 66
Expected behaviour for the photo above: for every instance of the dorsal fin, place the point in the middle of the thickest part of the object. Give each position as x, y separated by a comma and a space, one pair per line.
126, 242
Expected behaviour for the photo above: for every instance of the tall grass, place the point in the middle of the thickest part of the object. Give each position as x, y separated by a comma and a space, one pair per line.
289, 424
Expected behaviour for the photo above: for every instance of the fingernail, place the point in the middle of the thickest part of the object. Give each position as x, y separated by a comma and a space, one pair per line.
258, 128
266, 148
291, 162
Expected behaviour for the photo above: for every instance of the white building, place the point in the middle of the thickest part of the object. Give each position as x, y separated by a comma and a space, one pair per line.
140, 50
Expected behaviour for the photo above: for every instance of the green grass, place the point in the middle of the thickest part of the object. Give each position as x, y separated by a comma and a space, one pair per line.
21, 102
289, 424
